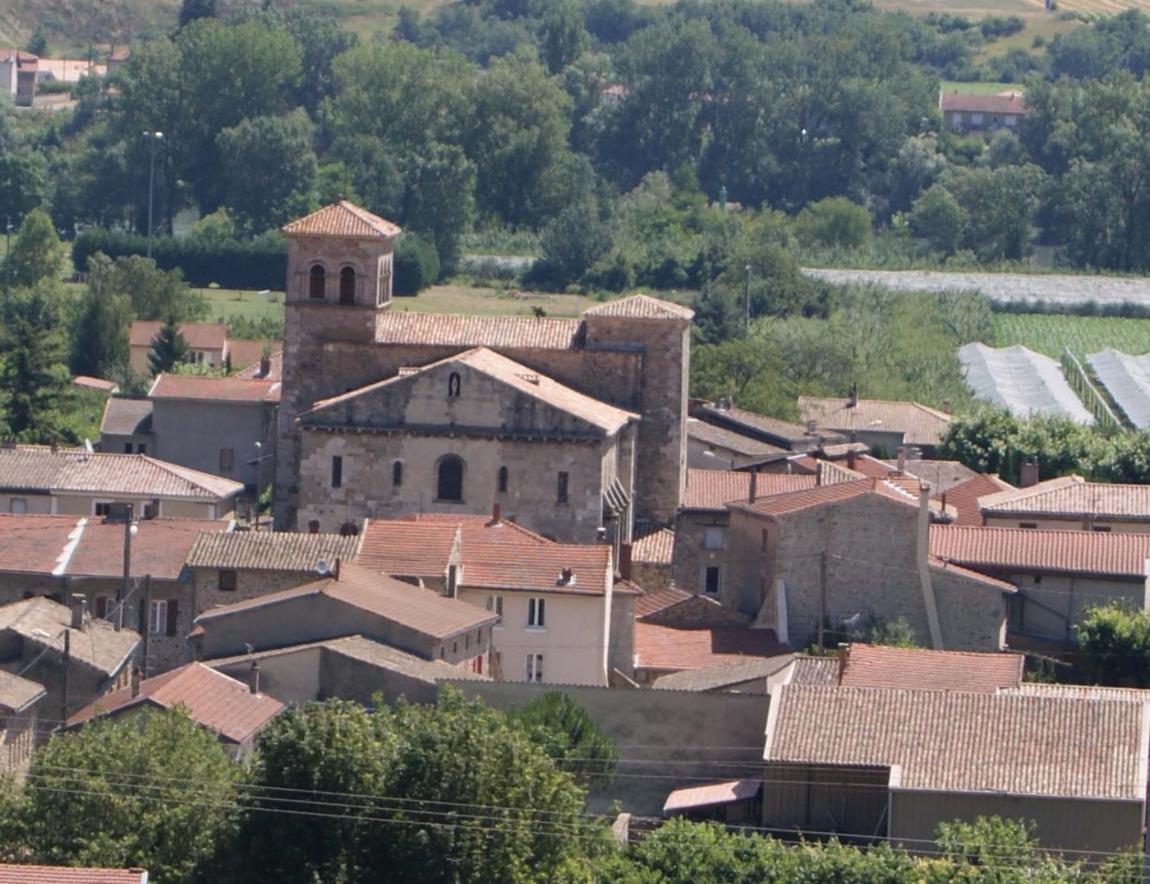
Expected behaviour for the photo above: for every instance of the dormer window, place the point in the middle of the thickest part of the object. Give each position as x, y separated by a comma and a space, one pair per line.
347, 285
317, 282
453, 384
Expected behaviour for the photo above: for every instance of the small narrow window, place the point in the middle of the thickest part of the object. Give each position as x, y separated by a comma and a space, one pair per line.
536, 613
1101, 528
397, 473
337, 472
347, 286
453, 385
227, 459
317, 282
561, 488
449, 485
501, 484
452, 580
158, 617
141, 448
711, 580
228, 581
535, 667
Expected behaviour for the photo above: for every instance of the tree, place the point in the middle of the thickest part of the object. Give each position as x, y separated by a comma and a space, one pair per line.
191, 10
35, 251
834, 222
573, 241
155, 294
33, 378
100, 335
565, 731
168, 349
1115, 643
22, 186
270, 169
939, 219
440, 199
155, 791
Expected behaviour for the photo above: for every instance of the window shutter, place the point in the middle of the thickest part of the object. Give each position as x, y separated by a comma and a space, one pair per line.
173, 616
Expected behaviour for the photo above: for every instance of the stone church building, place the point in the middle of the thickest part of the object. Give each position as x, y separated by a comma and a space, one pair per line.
575, 428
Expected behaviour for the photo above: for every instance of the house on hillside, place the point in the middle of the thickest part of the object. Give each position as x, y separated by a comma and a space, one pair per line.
884, 425
973, 112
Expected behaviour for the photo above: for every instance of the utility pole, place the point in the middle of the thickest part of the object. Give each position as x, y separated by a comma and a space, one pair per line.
154, 138
67, 667
122, 593
147, 626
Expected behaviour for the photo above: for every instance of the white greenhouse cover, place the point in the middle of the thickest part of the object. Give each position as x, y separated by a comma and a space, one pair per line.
1127, 379
1020, 380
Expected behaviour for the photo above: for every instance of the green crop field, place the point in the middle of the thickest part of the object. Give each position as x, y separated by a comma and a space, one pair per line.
1081, 334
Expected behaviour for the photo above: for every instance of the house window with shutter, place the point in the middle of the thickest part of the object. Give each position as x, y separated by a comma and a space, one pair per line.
228, 581
495, 606
711, 576
158, 617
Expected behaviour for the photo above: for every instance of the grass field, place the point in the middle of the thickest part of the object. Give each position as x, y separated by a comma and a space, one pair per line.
1081, 334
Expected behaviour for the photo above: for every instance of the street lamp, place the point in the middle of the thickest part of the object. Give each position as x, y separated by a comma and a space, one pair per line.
154, 138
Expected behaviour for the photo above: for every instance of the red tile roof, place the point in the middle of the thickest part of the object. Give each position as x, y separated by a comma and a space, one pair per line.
642, 307
1072, 496
721, 437
725, 792
656, 547
27, 874
875, 666
229, 389
670, 649
977, 576
964, 497
245, 352
91, 383
498, 332
491, 555
659, 600
919, 424
275, 369
1102, 553
864, 465
197, 335
270, 550
343, 219
211, 699
780, 504
714, 489
969, 102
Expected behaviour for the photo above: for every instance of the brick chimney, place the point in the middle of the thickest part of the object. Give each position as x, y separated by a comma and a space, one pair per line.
1028, 475
254, 678
852, 458
753, 490
136, 678
496, 513
79, 611
625, 559
901, 460
844, 659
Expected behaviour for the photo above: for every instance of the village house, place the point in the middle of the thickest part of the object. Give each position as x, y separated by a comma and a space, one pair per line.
1060, 575
39, 479
560, 616
711, 447
962, 499
75, 659
575, 425
652, 557
1070, 503
234, 711
19, 720
883, 425
351, 600
749, 425
30, 874
207, 343
972, 112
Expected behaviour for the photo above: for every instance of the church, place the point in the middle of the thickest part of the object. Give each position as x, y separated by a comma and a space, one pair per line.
574, 428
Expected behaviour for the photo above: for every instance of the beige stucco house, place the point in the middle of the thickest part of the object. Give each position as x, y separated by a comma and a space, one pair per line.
1070, 503
207, 343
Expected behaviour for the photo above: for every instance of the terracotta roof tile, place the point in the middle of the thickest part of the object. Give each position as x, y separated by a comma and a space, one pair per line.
642, 307
814, 670
17, 694
343, 219
270, 550
22, 874
126, 417
197, 335
244, 352
919, 424
211, 699
943, 475
714, 489
43, 622
1072, 496
711, 794
91, 383
709, 434
229, 389
718, 677
275, 372
821, 495
970, 102
498, 332
491, 555
655, 547
964, 496
1118, 553
667, 648
969, 574
37, 544
966, 742
875, 666
659, 600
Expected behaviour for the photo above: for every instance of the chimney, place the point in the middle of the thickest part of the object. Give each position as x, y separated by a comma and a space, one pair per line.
901, 459
753, 491
1029, 474
79, 611
601, 534
853, 396
335, 570
136, 678
812, 427
265, 366
625, 561
496, 513
254, 678
844, 659
313, 526
852, 458
566, 577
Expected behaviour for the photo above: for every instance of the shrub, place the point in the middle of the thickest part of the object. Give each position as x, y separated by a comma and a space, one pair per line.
416, 265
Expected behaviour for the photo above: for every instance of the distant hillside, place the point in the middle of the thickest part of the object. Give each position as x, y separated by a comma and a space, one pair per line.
72, 26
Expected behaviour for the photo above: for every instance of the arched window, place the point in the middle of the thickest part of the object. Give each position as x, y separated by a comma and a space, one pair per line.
317, 282
347, 286
397, 473
449, 486
502, 482
453, 383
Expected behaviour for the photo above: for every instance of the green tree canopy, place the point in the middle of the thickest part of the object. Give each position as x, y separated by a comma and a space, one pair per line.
33, 376
100, 333
564, 730
168, 349
36, 253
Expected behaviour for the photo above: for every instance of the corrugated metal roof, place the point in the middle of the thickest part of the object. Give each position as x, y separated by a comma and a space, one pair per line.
343, 218
967, 742
1117, 553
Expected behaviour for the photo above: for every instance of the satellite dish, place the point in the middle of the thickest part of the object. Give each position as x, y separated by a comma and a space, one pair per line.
322, 568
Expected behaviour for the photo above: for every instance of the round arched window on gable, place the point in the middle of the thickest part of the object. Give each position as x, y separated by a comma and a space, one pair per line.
449, 479
347, 285
453, 385
317, 282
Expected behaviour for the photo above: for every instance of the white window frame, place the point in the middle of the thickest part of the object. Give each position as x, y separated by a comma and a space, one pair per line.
536, 613
495, 606
158, 617
709, 538
534, 668
718, 581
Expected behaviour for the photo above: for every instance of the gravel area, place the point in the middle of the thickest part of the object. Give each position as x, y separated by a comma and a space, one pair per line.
1057, 288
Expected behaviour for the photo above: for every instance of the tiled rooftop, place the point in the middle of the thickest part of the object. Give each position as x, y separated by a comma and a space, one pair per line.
1072, 496
714, 489
275, 368
499, 332
270, 550
213, 700
665, 647
711, 794
964, 496
781, 504
875, 666
43, 623
715, 678
28, 874
781, 432
197, 335
16, 693
660, 600
970, 102
919, 424
126, 417
343, 218
229, 389
642, 307
1118, 554
709, 434
656, 547
966, 742
491, 555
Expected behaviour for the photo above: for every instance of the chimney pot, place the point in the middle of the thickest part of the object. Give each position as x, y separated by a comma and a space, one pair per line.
79, 611
625, 561
901, 459
265, 366
1029, 474
254, 678
844, 659
496, 513
136, 678
852, 458
753, 492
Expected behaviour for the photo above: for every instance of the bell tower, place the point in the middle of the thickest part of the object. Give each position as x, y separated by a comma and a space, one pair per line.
339, 272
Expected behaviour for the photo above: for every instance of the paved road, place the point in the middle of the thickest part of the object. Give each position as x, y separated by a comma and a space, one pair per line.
1057, 288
